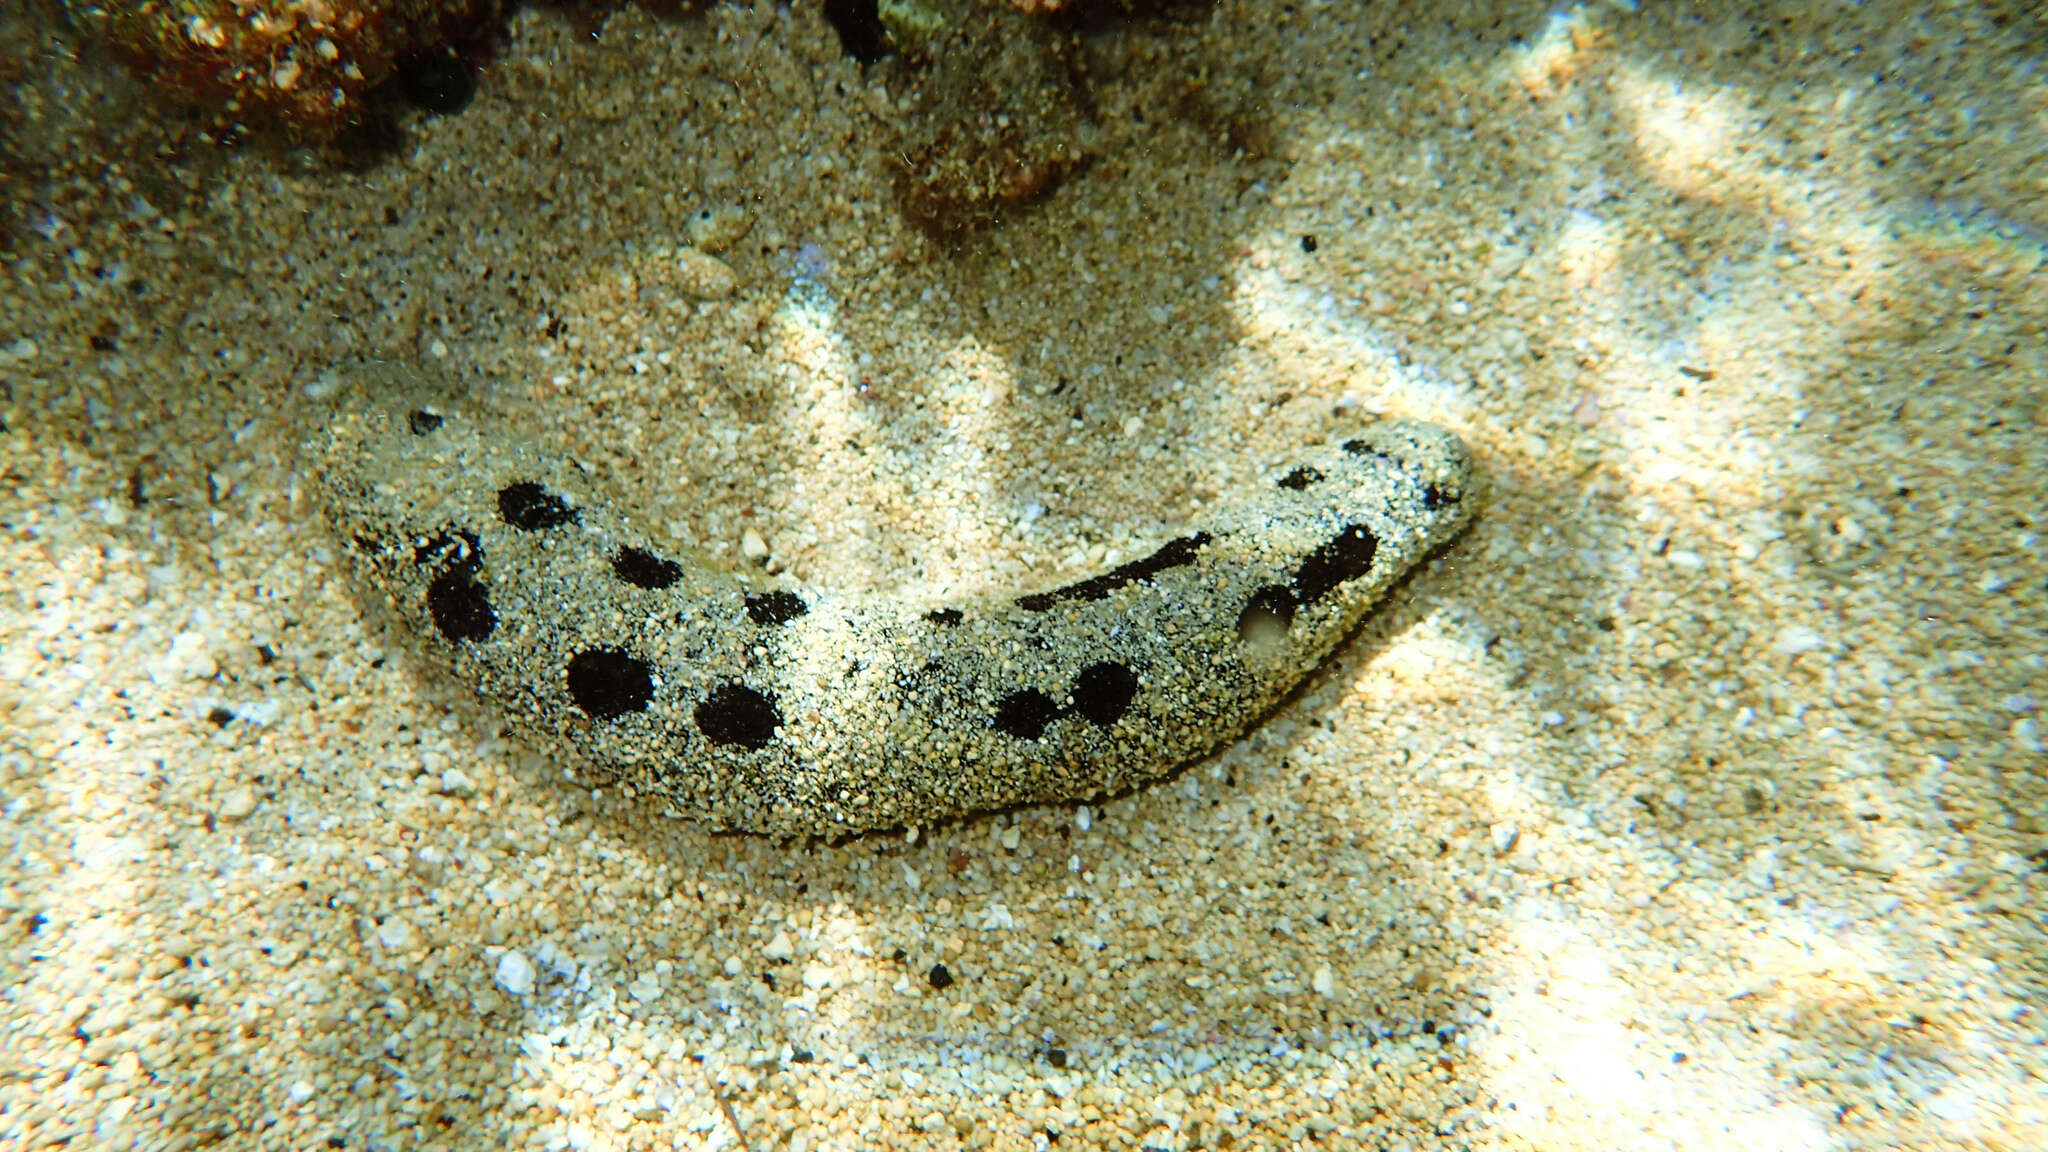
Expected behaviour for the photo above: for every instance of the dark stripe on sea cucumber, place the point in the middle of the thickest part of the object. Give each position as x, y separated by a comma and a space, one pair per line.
1346, 556
608, 683
643, 569
1173, 554
736, 714
1301, 477
945, 617
771, 608
531, 508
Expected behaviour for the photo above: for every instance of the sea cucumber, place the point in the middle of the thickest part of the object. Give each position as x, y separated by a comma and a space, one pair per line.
793, 709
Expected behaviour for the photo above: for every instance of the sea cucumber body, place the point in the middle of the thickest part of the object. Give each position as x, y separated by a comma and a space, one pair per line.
788, 709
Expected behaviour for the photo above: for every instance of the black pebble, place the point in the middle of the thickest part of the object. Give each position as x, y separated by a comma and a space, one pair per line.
1300, 478
940, 977
459, 605
644, 569
771, 608
608, 683
529, 507
1347, 556
438, 80
736, 714
1308, 243
1057, 1057
422, 421
1103, 692
1269, 612
1025, 714
220, 717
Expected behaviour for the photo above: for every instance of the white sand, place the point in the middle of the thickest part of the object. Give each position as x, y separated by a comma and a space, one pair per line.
1696, 800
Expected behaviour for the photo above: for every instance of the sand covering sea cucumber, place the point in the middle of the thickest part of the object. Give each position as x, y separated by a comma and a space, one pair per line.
797, 709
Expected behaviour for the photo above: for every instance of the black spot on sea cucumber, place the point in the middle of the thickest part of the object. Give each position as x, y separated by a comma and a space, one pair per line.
736, 714
1025, 714
422, 421
770, 608
1267, 615
643, 569
946, 617
459, 605
1103, 692
1172, 554
1434, 497
1346, 556
609, 683
1300, 478
527, 506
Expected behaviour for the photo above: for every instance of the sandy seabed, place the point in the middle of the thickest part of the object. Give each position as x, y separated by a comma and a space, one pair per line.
1694, 800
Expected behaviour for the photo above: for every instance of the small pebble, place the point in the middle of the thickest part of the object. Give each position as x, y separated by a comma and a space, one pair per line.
1794, 639
455, 783
395, 934
704, 276
1505, 836
645, 988
717, 228
237, 805
2026, 734
515, 973
1587, 413
752, 546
